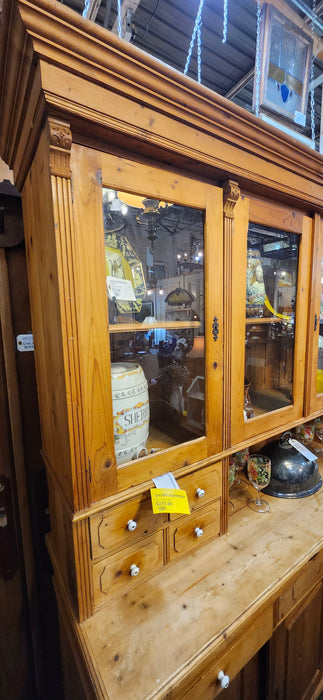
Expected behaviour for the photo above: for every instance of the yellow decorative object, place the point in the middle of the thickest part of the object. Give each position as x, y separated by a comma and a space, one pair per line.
285, 317
255, 286
122, 263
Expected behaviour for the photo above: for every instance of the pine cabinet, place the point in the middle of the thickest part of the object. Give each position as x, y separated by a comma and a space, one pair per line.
174, 245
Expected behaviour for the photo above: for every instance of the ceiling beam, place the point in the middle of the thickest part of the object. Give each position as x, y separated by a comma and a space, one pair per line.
318, 12
128, 8
240, 85
93, 10
318, 81
312, 16
107, 13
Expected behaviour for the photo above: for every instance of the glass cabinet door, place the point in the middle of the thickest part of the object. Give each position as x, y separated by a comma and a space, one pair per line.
154, 254
314, 365
159, 248
271, 298
319, 317
275, 241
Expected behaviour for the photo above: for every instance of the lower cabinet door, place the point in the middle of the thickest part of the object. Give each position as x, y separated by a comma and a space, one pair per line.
296, 653
233, 662
250, 683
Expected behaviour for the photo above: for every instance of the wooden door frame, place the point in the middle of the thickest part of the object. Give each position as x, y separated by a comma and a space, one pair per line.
90, 169
278, 216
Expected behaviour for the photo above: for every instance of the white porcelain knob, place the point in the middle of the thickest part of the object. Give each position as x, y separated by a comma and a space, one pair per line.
131, 525
134, 570
200, 493
223, 680
198, 531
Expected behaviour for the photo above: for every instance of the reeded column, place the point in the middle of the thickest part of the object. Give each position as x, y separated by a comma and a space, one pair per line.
231, 193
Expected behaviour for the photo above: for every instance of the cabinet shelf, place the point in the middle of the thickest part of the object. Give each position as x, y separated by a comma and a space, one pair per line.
254, 320
137, 327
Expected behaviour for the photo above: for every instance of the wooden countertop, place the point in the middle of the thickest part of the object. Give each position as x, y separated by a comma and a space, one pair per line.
143, 644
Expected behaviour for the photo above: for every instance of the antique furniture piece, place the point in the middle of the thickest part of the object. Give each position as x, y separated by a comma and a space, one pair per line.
90, 126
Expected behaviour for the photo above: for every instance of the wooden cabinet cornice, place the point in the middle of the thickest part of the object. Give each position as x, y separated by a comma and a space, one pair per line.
54, 62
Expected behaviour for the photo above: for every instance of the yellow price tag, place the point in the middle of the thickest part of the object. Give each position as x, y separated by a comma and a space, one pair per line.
169, 501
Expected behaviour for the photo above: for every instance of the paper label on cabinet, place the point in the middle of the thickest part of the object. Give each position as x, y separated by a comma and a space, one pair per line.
121, 289
166, 481
302, 449
169, 501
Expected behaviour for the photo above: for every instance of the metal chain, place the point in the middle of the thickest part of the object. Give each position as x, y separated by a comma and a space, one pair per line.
86, 8
312, 79
199, 51
119, 19
257, 67
196, 26
225, 21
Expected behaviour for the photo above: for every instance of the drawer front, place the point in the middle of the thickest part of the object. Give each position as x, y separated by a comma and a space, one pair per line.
116, 574
194, 530
202, 487
311, 574
204, 683
123, 525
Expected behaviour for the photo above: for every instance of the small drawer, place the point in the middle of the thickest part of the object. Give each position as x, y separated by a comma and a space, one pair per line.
122, 525
201, 486
194, 530
123, 570
306, 579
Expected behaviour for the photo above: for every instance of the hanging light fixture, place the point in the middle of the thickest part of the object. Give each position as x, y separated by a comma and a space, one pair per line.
149, 215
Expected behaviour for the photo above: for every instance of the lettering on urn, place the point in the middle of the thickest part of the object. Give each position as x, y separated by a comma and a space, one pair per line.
130, 410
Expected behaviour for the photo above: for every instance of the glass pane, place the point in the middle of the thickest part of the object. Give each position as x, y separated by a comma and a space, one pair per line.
155, 290
319, 386
272, 263
286, 69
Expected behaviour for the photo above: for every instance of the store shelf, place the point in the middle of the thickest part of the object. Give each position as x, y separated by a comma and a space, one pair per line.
137, 327
272, 319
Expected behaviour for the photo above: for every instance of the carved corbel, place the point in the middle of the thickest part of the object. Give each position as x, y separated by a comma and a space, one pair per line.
60, 144
231, 194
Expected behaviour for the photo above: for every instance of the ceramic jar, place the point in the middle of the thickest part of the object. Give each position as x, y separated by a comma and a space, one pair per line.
130, 410
255, 290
